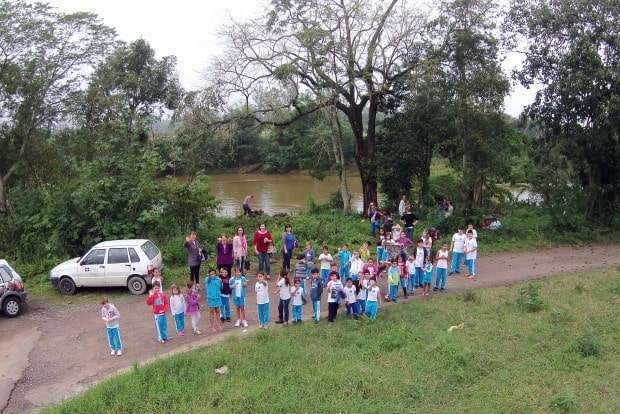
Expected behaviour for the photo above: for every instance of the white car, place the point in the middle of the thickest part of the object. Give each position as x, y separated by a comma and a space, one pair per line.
110, 263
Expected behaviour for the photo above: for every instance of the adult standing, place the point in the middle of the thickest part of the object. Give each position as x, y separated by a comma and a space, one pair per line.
262, 240
457, 247
409, 220
224, 249
240, 249
195, 256
247, 208
289, 243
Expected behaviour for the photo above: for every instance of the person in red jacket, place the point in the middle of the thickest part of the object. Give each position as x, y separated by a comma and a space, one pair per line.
159, 302
262, 241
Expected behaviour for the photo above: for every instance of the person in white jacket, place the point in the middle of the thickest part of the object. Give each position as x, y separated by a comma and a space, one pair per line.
177, 308
111, 316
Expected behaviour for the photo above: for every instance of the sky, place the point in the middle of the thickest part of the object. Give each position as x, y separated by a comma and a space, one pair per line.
188, 29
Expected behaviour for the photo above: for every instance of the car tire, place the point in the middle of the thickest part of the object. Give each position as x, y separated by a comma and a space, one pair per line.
136, 285
66, 286
11, 307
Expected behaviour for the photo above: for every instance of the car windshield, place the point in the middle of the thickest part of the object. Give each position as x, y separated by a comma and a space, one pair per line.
150, 249
5, 274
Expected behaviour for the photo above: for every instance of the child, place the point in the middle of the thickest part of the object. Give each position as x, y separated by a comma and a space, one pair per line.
420, 256
192, 306
410, 265
404, 276
309, 259
177, 309
326, 260
393, 280
363, 290
442, 268
239, 287
300, 269
471, 254
110, 316
225, 293
351, 299
344, 260
364, 252
380, 240
316, 290
334, 287
457, 246
356, 265
262, 300
371, 269
159, 302
427, 279
156, 276
284, 287
213, 287
297, 292
372, 300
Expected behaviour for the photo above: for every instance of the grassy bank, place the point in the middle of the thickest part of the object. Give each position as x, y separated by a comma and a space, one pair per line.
556, 351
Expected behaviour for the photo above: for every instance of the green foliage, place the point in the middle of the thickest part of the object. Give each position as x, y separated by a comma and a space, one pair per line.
565, 402
588, 345
529, 298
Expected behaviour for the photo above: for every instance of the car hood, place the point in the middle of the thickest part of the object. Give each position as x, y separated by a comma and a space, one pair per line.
66, 265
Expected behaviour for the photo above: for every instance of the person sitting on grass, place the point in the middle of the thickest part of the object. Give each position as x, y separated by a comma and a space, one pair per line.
213, 289
111, 317
262, 300
297, 294
350, 292
159, 303
373, 300
239, 287
177, 309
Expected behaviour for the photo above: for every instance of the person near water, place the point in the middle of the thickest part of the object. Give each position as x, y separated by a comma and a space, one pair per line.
261, 288
289, 243
225, 295
111, 317
457, 247
158, 301
247, 208
316, 290
213, 289
192, 306
471, 254
350, 300
373, 300
239, 288
240, 248
262, 241
441, 268
297, 301
325, 260
284, 291
177, 309
225, 256
195, 256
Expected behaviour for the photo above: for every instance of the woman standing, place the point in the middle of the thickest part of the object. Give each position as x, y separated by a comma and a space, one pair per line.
262, 241
240, 249
224, 249
195, 256
289, 242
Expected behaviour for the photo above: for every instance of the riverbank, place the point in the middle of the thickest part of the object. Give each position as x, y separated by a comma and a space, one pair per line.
502, 358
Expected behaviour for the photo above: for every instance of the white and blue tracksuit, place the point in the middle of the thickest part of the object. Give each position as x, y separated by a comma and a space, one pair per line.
111, 316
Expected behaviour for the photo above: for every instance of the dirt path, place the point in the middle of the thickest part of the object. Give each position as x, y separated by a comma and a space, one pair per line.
53, 352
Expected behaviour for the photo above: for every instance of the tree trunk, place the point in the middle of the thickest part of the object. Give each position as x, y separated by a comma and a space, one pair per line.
337, 144
4, 204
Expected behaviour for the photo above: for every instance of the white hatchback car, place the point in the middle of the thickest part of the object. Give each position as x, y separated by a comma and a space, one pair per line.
110, 263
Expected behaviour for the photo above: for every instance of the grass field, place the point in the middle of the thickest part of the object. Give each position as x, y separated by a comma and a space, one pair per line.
521, 349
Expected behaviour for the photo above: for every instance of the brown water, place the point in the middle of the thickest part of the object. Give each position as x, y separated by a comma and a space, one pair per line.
277, 193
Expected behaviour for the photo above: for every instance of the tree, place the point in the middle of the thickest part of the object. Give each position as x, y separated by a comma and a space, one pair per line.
573, 51
136, 85
44, 55
469, 54
349, 53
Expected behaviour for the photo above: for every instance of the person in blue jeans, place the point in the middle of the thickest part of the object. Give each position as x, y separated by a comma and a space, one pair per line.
316, 290
289, 243
110, 316
225, 293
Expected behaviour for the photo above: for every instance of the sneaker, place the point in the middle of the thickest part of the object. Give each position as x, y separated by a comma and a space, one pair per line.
222, 319
197, 332
238, 323
112, 352
161, 341
181, 333
228, 319
470, 277
435, 288
244, 323
119, 353
443, 289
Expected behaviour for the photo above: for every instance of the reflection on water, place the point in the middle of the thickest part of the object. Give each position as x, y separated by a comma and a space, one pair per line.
277, 193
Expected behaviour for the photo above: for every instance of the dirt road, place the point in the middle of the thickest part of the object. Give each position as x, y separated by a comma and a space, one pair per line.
53, 352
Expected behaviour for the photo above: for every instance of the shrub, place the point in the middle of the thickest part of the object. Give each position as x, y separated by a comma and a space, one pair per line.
529, 298
470, 296
588, 345
565, 402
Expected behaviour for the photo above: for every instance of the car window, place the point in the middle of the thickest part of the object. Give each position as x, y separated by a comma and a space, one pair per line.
133, 256
150, 249
118, 255
5, 274
95, 257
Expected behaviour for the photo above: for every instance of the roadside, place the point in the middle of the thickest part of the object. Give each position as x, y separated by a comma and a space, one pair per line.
71, 353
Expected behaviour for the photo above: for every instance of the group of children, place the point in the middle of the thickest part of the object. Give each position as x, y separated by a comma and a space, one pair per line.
351, 281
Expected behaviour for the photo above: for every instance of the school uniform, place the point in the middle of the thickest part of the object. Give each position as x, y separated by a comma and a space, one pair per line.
344, 257
239, 290
225, 294
351, 298
441, 269
177, 309
372, 302
393, 282
326, 262
356, 269
471, 256
111, 316
316, 290
361, 296
410, 264
458, 241
428, 274
262, 302
159, 303
297, 302
420, 255
213, 287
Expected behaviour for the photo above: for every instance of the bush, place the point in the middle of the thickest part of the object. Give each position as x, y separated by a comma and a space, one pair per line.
529, 298
588, 345
565, 402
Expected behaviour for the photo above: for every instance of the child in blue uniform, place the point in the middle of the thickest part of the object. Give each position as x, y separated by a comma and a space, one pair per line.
239, 289
297, 294
427, 279
372, 300
344, 257
262, 300
213, 287
111, 316
316, 290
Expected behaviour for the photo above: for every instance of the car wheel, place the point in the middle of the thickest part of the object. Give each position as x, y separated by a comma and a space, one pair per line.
66, 286
136, 285
11, 307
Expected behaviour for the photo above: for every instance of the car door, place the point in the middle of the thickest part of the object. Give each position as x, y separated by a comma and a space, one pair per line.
91, 271
118, 266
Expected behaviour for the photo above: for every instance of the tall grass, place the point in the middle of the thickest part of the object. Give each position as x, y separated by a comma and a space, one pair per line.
503, 360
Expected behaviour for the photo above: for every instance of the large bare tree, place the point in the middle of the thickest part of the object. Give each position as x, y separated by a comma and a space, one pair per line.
347, 53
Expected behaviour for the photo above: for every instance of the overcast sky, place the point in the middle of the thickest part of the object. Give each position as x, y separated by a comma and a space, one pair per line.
188, 30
